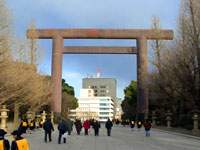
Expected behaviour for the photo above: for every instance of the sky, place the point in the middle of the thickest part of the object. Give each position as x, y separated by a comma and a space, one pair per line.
101, 14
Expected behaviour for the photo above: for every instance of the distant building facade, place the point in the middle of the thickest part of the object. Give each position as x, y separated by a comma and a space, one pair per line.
100, 108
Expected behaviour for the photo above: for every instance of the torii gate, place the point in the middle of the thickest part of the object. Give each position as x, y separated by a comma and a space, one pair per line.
58, 50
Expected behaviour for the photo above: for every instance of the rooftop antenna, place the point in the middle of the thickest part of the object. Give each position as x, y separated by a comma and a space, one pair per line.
98, 74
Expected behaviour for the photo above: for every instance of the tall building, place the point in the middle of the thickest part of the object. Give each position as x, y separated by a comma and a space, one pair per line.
102, 86
100, 108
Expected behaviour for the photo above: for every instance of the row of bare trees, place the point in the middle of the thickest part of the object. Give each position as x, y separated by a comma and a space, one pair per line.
21, 85
175, 79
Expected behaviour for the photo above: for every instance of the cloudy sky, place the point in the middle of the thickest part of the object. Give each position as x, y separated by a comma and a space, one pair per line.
105, 14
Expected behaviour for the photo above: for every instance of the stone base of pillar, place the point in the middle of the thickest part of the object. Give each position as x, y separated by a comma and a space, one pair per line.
195, 131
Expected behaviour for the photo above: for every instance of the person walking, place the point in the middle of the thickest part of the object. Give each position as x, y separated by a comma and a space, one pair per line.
86, 126
69, 124
19, 142
41, 124
96, 126
62, 127
23, 126
48, 127
108, 126
4, 143
132, 125
147, 127
139, 125
31, 126
78, 125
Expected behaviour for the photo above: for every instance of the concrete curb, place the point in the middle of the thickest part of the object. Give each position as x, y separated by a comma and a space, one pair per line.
179, 134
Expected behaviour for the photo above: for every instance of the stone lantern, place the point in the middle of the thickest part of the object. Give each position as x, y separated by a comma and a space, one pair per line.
169, 118
4, 116
29, 116
154, 118
44, 116
196, 122
52, 116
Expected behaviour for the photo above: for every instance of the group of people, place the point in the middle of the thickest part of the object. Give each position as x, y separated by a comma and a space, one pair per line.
131, 123
19, 143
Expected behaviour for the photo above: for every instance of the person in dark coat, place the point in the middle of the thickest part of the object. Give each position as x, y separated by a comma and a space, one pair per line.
147, 127
62, 127
96, 126
19, 142
4, 143
117, 122
78, 125
48, 127
86, 126
69, 124
108, 126
132, 125
32, 125
23, 126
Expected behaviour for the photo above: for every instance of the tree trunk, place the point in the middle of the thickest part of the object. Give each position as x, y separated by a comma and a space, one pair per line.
16, 113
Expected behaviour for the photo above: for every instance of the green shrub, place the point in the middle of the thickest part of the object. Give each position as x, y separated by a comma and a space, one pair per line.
185, 120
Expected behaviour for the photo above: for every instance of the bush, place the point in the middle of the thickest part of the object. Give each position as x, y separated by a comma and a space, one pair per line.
185, 121
189, 127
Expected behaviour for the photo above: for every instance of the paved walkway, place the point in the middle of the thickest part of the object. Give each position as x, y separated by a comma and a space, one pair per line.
121, 139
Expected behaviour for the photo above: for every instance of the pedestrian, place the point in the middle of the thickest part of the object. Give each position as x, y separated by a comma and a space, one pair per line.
41, 124
48, 127
78, 125
86, 126
108, 126
31, 125
147, 127
23, 126
19, 142
117, 122
62, 127
69, 124
4, 143
123, 123
139, 125
96, 126
132, 125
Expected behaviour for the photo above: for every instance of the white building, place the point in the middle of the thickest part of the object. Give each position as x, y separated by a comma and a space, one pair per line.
100, 108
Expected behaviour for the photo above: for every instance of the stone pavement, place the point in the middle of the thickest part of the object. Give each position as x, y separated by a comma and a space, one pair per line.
121, 139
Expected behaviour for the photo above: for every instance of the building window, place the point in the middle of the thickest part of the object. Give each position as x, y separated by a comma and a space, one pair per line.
95, 91
104, 113
103, 91
94, 87
95, 95
104, 117
104, 100
104, 104
103, 86
89, 91
104, 108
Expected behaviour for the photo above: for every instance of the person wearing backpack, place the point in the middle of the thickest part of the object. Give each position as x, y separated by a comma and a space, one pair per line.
62, 127
19, 142
4, 143
147, 127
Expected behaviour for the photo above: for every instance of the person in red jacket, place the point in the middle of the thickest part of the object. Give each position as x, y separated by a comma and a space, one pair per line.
86, 126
